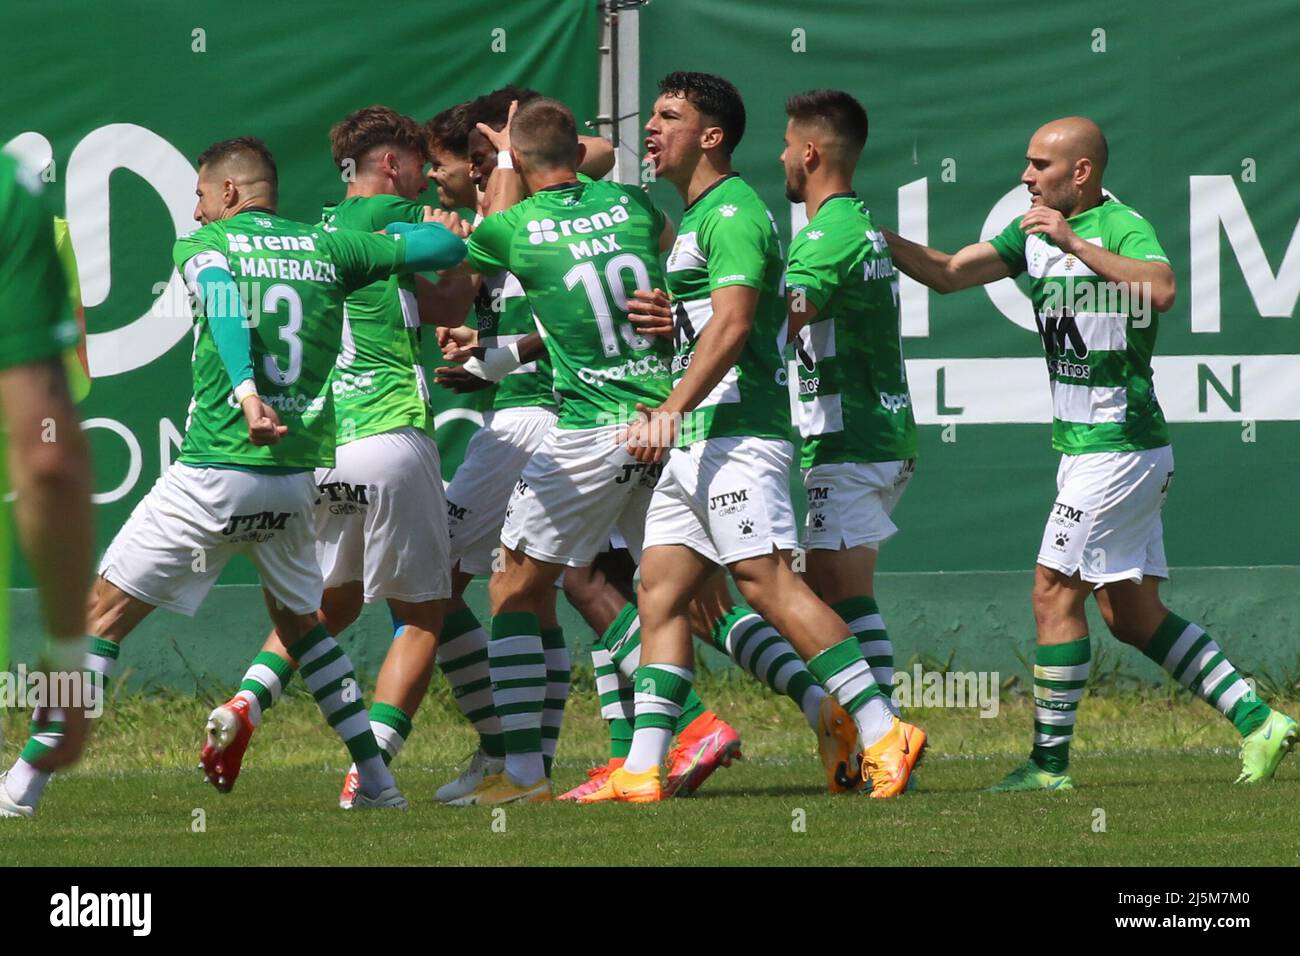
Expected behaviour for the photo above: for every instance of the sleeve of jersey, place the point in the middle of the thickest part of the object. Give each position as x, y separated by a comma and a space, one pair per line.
640, 197
365, 257
815, 268
489, 245
35, 323
1010, 245
1131, 236
208, 278
736, 250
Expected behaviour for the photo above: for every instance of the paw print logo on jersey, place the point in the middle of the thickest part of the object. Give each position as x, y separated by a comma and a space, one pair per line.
815, 234
727, 211
239, 243
540, 231
877, 240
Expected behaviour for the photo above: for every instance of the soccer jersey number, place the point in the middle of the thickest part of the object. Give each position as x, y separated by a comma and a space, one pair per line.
288, 333
586, 274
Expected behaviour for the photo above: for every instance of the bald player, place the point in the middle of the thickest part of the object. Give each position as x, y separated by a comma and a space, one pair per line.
1097, 277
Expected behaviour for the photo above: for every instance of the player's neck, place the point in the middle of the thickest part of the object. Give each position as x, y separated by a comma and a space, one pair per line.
1090, 201
365, 186
707, 172
546, 178
817, 191
261, 203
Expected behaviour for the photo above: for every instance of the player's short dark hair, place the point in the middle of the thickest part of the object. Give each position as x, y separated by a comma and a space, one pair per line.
449, 130
546, 134
715, 98
494, 108
836, 110
354, 136
247, 150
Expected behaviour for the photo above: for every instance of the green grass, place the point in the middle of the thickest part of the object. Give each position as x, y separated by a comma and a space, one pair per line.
1159, 767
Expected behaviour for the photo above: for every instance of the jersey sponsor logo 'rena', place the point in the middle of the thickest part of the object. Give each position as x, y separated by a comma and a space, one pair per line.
549, 230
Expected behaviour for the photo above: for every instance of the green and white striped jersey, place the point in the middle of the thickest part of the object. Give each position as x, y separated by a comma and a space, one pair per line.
1098, 344
378, 380
504, 316
853, 399
728, 237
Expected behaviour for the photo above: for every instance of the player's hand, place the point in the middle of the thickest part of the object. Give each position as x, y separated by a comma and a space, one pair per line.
264, 426
451, 221
651, 312
500, 139
68, 747
1049, 223
651, 435
458, 343
459, 380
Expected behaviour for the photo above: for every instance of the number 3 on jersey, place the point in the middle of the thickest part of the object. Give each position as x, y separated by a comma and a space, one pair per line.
586, 274
288, 333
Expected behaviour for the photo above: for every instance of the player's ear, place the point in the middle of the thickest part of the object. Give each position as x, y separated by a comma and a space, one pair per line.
582, 154
711, 137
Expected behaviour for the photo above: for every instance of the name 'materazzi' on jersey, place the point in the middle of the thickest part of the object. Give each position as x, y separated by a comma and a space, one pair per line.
579, 250
292, 279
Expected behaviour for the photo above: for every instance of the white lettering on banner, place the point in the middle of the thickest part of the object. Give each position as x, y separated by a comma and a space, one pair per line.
135, 462
1190, 388
1214, 200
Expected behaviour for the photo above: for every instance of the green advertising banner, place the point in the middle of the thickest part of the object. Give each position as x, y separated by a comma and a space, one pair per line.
1202, 144
139, 88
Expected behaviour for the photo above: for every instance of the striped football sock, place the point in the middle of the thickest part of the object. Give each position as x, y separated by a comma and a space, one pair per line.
557, 692
623, 641
263, 683
1195, 661
862, 615
1060, 675
392, 729
661, 691
327, 672
518, 665
845, 674
463, 659
757, 647
617, 707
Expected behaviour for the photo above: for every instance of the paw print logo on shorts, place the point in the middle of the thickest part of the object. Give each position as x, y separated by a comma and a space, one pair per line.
239, 243
543, 230
1061, 538
819, 522
747, 527
727, 211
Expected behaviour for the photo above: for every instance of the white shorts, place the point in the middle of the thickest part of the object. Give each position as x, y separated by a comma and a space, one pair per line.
726, 499
381, 518
576, 490
194, 520
480, 490
1105, 523
849, 504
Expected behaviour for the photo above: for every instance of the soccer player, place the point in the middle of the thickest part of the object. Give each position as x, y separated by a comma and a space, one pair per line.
380, 513
1098, 276
523, 411
859, 437
49, 467
723, 498
577, 249
261, 420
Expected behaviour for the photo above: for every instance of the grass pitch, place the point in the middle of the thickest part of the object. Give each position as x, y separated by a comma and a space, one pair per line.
1153, 773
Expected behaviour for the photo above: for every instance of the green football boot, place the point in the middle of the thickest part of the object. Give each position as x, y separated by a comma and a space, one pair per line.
1264, 748
1030, 776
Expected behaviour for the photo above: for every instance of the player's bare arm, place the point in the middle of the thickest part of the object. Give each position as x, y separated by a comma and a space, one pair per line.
598, 156
1157, 277
976, 264
716, 351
